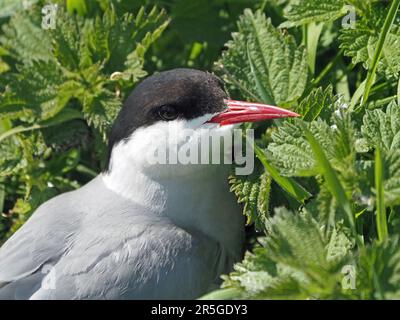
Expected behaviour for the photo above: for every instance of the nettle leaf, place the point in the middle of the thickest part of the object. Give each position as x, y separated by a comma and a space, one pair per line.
37, 87
78, 63
135, 60
382, 128
70, 49
360, 42
391, 181
308, 11
10, 7
287, 244
292, 153
378, 270
10, 157
100, 109
24, 38
289, 264
326, 207
340, 243
259, 277
264, 63
355, 43
129, 38
253, 192
317, 257
13, 107
319, 103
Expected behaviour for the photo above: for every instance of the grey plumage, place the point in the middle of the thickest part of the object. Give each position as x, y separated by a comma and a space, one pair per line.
121, 251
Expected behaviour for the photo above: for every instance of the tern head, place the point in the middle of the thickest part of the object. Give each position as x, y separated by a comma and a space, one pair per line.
168, 114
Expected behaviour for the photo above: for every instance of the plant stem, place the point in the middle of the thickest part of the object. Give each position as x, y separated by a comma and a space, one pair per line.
327, 68
381, 222
290, 185
379, 48
85, 170
333, 183
263, 5
18, 129
382, 102
379, 87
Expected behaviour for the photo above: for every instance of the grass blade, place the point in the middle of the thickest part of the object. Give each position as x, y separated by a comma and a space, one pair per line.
328, 68
332, 181
357, 95
313, 33
290, 185
381, 222
64, 116
379, 48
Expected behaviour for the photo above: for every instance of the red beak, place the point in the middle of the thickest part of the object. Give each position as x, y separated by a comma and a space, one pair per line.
241, 111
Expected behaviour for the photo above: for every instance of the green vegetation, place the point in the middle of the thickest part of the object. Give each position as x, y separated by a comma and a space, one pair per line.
325, 198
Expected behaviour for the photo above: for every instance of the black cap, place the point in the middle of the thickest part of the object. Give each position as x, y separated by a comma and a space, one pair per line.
177, 93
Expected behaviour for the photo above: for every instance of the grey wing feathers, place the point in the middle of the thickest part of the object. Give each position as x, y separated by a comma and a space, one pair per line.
145, 266
42, 238
90, 244
104, 256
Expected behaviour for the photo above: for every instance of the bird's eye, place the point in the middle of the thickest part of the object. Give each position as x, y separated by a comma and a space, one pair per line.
167, 113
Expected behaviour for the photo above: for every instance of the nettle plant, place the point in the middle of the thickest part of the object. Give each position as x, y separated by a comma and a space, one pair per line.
327, 191
60, 90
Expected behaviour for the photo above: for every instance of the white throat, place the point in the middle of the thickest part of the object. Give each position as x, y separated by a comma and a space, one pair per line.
191, 195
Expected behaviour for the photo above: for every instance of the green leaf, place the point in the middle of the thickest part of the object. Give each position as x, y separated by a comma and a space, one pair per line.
100, 109
290, 265
291, 152
78, 6
10, 7
308, 11
288, 184
332, 181
340, 243
263, 63
391, 175
4, 67
383, 36
253, 191
360, 43
382, 128
319, 103
12, 107
378, 275
25, 39
313, 32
